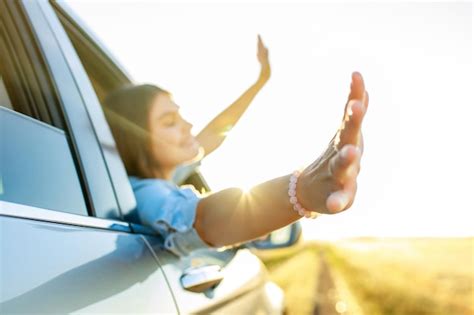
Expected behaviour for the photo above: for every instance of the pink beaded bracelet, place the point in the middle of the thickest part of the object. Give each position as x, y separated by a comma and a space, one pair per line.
294, 200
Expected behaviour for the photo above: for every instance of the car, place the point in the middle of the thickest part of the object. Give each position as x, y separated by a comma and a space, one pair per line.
68, 241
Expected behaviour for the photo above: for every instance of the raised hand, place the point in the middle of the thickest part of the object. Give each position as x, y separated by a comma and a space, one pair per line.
262, 56
329, 184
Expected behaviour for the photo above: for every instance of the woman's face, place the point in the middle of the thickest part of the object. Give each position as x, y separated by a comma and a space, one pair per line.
171, 140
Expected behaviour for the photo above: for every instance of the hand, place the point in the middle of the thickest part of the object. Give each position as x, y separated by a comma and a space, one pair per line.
262, 55
329, 184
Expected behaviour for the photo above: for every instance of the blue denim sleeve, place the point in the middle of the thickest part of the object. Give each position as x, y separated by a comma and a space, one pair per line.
170, 211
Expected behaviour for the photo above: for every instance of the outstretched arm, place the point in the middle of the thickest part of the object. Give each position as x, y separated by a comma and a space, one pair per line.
212, 136
328, 185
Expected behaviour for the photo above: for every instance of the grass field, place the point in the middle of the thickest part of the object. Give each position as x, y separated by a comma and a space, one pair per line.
385, 276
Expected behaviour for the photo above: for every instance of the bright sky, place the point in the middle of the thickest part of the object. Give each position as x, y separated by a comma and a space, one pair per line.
417, 170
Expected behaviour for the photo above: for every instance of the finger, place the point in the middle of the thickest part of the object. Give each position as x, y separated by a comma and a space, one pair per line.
361, 143
357, 87
342, 199
341, 164
352, 190
261, 46
337, 201
351, 128
357, 91
366, 101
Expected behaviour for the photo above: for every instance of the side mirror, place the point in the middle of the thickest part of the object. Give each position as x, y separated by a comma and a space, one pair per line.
284, 237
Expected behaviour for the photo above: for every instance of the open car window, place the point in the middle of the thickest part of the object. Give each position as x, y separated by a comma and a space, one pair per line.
103, 70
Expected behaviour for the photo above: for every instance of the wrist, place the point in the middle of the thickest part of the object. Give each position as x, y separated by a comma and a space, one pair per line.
294, 197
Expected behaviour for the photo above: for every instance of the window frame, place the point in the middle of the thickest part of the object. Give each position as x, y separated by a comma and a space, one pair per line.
71, 25
54, 88
52, 41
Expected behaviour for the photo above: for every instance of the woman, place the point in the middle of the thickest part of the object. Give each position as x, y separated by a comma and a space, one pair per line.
153, 140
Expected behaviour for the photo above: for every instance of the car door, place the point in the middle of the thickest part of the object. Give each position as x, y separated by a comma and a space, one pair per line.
65, 247
244, 288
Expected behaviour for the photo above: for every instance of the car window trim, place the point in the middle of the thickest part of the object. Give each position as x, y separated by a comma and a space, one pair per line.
118, 175
16, 210
92, 166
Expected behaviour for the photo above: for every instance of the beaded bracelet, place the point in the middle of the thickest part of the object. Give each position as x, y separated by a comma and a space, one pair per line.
294, 200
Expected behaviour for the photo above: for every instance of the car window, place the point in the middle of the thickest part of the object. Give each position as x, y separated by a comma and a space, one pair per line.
105, 74
37, 168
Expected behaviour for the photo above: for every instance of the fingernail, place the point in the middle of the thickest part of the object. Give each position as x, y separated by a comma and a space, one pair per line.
358, 151
345, 152
342, 201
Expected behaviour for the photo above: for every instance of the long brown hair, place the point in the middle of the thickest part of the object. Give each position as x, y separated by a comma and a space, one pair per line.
126, 111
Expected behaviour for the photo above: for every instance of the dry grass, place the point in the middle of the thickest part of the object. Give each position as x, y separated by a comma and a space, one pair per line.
386, 276
408, 276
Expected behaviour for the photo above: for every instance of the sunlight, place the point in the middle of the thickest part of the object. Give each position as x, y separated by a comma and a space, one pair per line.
245, 188
296, 114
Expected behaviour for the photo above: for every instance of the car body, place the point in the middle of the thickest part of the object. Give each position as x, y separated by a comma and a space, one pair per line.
66, 243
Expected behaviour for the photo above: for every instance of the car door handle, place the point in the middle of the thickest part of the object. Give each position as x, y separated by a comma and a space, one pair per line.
199, 279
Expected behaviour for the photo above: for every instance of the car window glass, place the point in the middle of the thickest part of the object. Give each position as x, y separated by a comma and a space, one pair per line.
37, 168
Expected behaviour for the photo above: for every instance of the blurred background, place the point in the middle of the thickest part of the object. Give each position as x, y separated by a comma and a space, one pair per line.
412, 215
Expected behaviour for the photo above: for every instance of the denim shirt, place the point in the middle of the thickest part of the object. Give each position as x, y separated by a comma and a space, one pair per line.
170, 211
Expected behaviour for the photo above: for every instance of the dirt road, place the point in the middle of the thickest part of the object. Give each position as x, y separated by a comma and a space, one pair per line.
326, 293
333, 296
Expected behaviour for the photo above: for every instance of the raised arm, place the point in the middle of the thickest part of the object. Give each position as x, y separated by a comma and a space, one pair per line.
212, 136
328, 186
